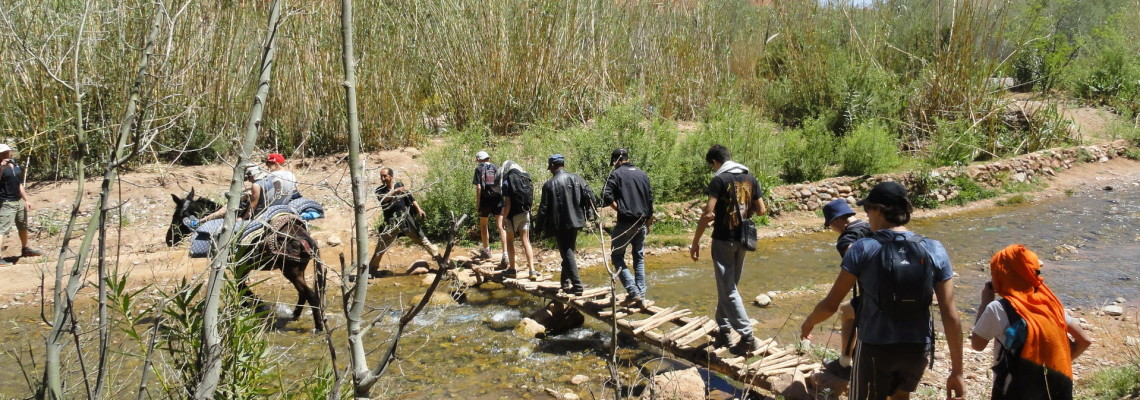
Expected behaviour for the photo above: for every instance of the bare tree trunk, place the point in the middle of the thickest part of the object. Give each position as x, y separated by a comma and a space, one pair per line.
116, 160
210, 354
53, 343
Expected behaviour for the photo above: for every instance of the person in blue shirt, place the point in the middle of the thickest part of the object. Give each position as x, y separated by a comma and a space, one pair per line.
890, 354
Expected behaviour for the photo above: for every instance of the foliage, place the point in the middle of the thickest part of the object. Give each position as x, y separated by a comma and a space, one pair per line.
869, 149
969, 191
807, 151
1116, 382
953, 143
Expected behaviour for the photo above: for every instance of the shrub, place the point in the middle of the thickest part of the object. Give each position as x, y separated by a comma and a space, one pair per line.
807, 151
869, 149
953, 143
751, 139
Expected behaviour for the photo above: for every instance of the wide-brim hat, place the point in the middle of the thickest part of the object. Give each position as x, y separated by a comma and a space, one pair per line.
837, 208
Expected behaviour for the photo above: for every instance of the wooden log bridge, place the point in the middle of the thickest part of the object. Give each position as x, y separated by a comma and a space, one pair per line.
672, 329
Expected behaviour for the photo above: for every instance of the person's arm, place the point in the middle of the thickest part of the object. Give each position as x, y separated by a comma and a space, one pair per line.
1081, 340
419, 210
830, 304
506, 206
706, 217
254, 200
759, 208
952, 325
608, 191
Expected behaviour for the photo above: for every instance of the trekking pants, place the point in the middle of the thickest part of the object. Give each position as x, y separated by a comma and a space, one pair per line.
567, 243
728, 262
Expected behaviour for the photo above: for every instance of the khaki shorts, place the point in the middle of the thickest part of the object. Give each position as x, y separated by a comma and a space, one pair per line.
13, 213
517, 223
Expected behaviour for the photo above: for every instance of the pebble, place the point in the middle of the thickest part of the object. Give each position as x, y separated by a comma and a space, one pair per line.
334, 241
1113, 310
1120, 300
763, 300
579, 379
570, 396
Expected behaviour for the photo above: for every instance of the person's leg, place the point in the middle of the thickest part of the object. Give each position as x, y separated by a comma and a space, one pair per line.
509, 244
22, 230
525, 229
847, 332
737, 315
484, 235
388, 236
638, 244
621, 236
502, 237
7, 222
567, 243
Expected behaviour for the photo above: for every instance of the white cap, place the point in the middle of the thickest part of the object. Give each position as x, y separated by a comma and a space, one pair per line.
482, 155
4, 147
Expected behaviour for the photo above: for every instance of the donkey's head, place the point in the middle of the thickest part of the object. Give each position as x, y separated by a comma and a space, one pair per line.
186, 207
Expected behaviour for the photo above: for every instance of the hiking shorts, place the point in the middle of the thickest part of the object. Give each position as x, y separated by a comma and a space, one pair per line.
489, 208
880, 370
13, 213
517, 224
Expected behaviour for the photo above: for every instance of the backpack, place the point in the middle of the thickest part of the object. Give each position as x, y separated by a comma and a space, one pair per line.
905, 277
522, 190
1018, 378
489, 179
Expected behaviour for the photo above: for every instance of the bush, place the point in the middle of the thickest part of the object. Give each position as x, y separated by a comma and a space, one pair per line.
1116, 382
869, 149
751, 139
953, 143
807, 152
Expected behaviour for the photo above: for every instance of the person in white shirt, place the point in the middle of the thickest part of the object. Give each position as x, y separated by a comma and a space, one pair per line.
284, 182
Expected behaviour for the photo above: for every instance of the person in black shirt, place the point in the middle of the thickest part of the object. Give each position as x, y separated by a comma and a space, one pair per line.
734, 194
488, 203
567, 202
397, 203
839, 217
516, 215
14, 205
629, 193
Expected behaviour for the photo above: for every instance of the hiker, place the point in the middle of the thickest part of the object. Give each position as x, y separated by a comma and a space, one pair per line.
397, 203
284, 182
567, 202
629, 193
893, 320
14, 204
518, 197
734, 196
488, 203
1033, 355
839, 217
256, 184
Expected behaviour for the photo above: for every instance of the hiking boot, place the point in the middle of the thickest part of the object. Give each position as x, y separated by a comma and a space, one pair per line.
485, 253
503, 263
746, 345
834, 367
721, 339
30, 252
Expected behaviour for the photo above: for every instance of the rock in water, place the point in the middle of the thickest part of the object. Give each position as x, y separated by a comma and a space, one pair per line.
579, 379
676, 385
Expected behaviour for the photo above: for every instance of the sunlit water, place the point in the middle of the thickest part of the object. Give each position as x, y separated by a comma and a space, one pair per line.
470, 350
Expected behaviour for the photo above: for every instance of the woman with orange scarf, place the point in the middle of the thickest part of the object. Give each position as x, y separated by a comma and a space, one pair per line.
1043, 369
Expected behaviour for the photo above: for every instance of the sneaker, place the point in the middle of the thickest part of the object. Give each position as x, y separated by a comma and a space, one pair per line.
30, 252
534, 276
747, 344
485, 254
5, 263
834, 367
503, 263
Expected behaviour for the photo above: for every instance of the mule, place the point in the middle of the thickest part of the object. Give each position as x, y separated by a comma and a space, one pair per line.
265, 255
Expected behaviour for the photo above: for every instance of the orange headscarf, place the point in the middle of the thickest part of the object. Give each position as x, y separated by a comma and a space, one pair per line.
1015, 273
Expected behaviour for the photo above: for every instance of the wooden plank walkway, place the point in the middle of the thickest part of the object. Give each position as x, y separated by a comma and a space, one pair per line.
671, 329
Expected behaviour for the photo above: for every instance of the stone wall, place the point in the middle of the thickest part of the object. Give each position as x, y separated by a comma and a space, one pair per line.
812, 196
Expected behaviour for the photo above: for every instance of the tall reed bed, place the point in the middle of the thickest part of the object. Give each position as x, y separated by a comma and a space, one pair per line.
434, 65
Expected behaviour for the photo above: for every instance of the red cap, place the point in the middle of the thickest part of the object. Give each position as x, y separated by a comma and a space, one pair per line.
275, 158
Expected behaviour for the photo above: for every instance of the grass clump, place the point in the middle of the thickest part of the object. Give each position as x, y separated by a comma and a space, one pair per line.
1115, 383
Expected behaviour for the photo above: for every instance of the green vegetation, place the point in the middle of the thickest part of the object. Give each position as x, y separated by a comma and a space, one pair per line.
1115, 383
787, 78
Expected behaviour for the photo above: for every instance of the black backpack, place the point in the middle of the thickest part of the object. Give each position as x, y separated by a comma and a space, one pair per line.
906, 277
489, 179
1018, 378
522, 190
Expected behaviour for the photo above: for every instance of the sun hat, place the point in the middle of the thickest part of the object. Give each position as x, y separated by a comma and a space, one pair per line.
837, 208
275, 158
482, 155
887, 194
255, 172
4, 147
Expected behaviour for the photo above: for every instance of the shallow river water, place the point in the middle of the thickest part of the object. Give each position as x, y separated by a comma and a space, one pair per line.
471, 351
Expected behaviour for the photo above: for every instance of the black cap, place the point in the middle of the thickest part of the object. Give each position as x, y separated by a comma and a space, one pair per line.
619, 154
887, 194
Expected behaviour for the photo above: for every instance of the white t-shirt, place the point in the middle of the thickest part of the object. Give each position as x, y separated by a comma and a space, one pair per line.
284, 186
991, 325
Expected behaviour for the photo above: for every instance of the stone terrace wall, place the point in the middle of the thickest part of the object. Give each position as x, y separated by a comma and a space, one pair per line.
812, 196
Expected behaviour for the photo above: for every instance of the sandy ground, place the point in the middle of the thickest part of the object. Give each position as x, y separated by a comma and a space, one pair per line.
145, 202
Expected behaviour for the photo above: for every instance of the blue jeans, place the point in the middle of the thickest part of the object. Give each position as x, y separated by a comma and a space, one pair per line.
624, 235
728, 262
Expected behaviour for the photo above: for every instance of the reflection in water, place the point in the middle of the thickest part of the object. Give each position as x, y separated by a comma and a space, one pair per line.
1088, 241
